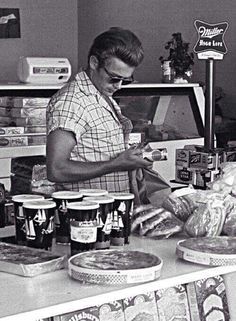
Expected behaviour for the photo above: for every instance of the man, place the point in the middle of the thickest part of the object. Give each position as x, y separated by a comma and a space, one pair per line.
87, 134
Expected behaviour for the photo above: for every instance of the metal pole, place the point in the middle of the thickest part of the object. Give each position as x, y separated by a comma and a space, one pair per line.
209, 106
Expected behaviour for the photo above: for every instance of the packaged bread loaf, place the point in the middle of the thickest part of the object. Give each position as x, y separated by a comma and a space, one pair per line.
209, 217
181, 202
154, 222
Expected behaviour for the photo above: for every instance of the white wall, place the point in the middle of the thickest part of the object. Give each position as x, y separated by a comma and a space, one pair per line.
48, 28
154, 21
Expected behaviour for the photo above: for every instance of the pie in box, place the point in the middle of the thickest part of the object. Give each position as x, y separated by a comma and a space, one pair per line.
28, 261
114, 267
213, 251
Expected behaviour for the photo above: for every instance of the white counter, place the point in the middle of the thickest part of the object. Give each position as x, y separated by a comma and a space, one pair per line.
56, 293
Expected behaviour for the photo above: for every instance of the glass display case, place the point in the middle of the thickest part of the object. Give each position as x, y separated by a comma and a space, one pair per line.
165, 115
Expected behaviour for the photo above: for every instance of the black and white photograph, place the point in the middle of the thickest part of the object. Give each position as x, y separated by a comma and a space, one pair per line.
117, 160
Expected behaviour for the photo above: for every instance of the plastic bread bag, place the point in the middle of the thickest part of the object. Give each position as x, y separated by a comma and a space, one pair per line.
154, 222
181, 202
39, 183
208, 218
229, 227
226, 182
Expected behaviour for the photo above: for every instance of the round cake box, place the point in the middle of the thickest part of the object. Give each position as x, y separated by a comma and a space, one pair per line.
114, 267
212, 251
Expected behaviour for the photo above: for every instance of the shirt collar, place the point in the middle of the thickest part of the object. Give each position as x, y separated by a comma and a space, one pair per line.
85, 84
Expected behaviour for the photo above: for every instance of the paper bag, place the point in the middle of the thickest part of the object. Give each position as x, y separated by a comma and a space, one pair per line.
148, 187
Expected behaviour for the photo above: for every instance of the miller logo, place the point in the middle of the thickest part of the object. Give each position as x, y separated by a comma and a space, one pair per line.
210, 42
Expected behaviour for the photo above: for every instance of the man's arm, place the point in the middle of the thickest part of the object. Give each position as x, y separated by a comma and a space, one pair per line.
61, 169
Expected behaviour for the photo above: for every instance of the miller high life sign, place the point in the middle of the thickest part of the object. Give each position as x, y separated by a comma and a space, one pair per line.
210, 43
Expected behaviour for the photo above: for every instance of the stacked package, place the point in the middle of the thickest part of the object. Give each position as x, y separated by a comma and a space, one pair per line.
27, 261
29, 175
22, 121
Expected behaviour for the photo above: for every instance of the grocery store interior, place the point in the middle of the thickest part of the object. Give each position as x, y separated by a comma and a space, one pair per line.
167, 249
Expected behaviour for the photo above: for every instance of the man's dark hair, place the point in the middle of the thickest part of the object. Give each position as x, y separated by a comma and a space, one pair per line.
119, 43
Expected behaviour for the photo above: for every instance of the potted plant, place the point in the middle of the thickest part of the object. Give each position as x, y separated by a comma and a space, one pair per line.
179, 58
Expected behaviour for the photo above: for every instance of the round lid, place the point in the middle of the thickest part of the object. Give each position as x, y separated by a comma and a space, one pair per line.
113, 259
83, 206
93, 192
21, 198
103, 199
66, 195
216, 250
122, 196
114, 267
40, 204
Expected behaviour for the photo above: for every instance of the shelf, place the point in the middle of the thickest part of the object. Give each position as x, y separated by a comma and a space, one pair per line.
30, 90
26, 86
56, 293
20, 151
161, 85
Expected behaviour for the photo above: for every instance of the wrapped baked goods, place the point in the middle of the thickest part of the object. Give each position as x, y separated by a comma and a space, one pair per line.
209, 217
154, 222
28, 261
181, 202
226, 182
229, 227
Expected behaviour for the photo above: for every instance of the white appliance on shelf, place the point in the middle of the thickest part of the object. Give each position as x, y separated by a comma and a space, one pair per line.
43, 70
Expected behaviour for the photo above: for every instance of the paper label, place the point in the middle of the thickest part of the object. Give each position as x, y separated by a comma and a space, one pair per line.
196, 258
144, 277
84, 232
184, 191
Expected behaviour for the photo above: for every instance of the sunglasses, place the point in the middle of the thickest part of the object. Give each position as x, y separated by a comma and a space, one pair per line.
117, 79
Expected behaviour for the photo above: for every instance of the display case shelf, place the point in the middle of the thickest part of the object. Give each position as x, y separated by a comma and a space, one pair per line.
7, 153
20, 151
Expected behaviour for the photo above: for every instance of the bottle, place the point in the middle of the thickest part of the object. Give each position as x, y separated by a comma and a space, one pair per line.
166, 71
155, 154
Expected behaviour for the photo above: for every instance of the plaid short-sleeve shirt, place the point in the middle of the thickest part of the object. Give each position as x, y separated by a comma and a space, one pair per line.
100, 132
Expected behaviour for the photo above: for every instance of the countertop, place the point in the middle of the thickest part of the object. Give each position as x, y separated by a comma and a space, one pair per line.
56, 293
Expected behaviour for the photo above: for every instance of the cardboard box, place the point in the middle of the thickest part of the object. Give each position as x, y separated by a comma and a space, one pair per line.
6, 101
5, 111
182, 157
36, 129
37, 140
208, 299
29, 101
28, 112
83, 315
112, 311
141, 307
13, 141
172, 304
202, 160
6, 121
11, 130
185, 175
29, 121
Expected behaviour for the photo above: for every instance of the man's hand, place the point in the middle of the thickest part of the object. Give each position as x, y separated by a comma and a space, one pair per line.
131, 159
